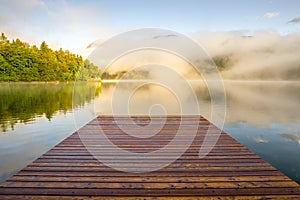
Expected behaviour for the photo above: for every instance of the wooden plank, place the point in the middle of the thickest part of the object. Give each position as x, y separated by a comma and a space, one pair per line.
208, 162
157, 173
152, 179
147, 185
166, 170
148, 192
229, 171
247, 197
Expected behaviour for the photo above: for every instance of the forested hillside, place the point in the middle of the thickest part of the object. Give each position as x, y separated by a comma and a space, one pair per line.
21, 62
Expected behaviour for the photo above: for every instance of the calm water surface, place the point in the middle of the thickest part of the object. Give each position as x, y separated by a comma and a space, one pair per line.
264, 116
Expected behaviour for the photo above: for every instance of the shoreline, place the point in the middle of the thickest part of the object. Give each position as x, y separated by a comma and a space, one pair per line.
146, 80
45, 82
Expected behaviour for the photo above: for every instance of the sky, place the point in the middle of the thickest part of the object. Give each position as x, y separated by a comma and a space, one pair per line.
74, 24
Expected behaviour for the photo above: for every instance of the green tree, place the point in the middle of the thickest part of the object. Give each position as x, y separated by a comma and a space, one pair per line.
21, 62
3, 38
89, 72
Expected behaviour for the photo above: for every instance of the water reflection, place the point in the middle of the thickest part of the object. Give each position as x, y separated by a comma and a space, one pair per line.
24, 102
257, 103
262, 103
264, 116
144, 97
291, 137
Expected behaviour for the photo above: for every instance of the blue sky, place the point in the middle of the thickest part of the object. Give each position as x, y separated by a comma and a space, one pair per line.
75, 24
213, 15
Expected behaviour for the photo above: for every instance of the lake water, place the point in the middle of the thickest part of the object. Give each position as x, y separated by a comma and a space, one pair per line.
263, 116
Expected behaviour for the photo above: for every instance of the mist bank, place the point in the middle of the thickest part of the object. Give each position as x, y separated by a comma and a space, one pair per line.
262, 56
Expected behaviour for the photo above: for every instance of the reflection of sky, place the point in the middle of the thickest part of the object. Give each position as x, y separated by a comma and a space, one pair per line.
276, 143
265, 118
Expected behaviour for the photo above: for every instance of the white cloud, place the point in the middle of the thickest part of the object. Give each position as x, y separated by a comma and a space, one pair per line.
270, 15
60, 23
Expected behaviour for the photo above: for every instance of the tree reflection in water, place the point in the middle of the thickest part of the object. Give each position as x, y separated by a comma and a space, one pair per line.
23, 102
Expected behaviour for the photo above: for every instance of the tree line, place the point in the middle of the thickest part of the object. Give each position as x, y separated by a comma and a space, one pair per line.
21, 62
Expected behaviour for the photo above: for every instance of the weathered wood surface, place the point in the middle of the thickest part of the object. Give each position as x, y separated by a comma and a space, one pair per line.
229, 171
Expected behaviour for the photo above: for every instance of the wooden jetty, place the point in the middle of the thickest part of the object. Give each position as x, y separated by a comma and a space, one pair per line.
229, 171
